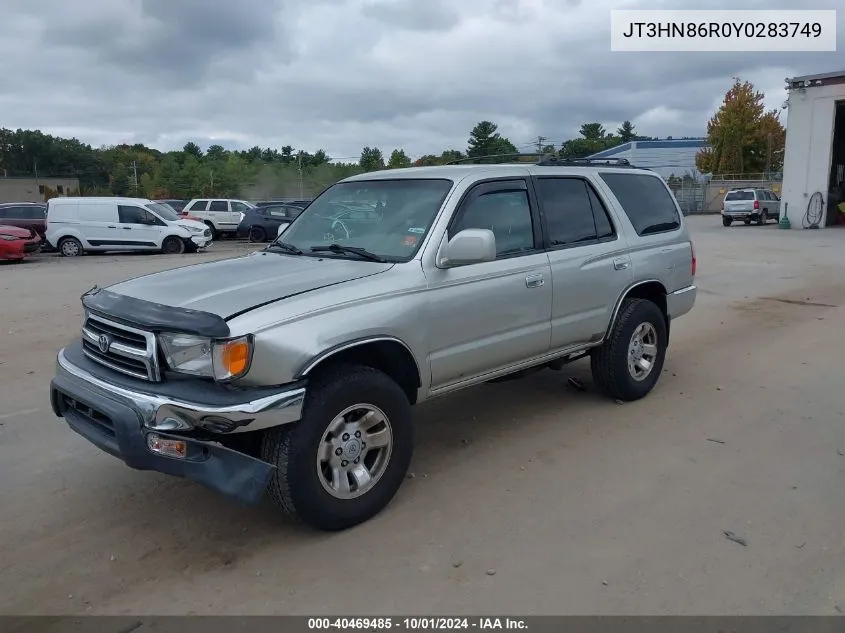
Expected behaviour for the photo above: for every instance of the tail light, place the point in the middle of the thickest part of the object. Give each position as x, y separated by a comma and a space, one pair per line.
694, 261
756, 204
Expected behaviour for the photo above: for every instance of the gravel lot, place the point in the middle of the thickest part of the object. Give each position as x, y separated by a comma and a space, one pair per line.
528, 497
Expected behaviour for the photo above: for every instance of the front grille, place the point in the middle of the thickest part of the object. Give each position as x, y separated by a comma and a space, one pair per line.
31, 247
95, 418
120, 347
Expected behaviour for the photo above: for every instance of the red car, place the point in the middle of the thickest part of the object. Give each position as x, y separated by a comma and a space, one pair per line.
17, 243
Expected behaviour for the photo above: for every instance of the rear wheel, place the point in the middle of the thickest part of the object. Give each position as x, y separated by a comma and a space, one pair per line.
173, 245
257, 234
628, 364
726, 221
70, 247
211, 228
746, 221
344, 461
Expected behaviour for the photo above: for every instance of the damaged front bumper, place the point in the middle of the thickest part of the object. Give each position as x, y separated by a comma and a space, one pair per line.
122, 417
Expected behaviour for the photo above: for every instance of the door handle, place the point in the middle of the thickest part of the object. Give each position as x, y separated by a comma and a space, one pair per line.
112, 226
127, 228
534, 281
621, 263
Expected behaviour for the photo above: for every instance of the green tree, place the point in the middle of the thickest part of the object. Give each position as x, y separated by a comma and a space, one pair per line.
593, 131
398, 159
216, 152
485, 140
743, 138
371, 159
626, 132
192, 149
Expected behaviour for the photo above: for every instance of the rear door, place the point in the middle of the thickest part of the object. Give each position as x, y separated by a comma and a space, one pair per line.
221, 215
98, 223
588, 255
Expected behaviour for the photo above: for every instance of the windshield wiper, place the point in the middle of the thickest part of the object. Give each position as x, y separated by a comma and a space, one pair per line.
284, 246
340, 248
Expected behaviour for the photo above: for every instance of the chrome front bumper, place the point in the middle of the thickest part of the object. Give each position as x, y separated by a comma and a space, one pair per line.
161, 413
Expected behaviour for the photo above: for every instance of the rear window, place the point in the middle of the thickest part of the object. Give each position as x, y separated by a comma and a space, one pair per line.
199, 205
739, 195
646, 201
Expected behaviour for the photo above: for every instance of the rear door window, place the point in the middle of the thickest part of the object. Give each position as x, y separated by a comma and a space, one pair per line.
646, 200
218, 205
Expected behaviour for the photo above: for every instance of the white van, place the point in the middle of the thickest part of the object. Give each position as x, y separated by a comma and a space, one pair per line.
77, 225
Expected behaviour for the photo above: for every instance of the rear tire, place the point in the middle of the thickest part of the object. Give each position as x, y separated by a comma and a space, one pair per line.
726, 221
173, 245
214, 234
307, 483
746, 221
257, 234
70, 247
615, 365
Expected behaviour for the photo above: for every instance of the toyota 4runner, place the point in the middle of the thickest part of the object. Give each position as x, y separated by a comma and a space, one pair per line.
292, 371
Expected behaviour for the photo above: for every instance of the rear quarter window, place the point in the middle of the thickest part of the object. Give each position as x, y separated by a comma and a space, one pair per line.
646, 201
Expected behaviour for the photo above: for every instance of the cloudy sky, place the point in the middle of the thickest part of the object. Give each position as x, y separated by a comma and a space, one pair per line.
341, 74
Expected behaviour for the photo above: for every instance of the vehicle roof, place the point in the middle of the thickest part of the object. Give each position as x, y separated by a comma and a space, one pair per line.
479, 172
213, 198
114, 199
22, 204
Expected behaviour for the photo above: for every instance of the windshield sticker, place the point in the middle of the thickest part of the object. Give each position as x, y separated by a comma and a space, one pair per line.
417, 229
410, 241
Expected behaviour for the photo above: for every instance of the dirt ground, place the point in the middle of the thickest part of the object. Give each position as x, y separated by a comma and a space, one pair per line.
527, 497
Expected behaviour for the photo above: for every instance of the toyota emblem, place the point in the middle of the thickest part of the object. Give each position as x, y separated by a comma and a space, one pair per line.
103, 343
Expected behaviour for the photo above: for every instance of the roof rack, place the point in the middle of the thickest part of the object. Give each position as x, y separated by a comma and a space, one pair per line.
497, 159
543, 159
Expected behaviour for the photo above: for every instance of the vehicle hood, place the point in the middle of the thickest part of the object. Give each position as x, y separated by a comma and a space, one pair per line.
232, 286
188, 224
14, 231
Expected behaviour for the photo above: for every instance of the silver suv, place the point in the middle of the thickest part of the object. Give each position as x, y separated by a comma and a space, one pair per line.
293, 370
750, 205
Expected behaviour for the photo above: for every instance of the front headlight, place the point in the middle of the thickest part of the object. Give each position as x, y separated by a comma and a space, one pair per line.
194, 229
8, 238
199, 356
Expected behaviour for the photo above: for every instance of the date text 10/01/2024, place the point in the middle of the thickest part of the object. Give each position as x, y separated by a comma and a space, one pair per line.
414, 624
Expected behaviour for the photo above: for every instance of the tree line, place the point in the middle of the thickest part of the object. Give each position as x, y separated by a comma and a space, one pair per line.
743, 139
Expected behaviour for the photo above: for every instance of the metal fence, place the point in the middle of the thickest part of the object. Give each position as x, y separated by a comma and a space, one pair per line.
706, 195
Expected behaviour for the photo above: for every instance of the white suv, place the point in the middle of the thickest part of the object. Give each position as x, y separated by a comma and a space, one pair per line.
750, 205
220, 215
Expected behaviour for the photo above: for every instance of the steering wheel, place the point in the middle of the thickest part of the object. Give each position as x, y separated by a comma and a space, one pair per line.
342, 225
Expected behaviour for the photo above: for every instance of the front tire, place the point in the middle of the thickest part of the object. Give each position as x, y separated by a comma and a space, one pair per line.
762, 218
173, 245
257, 234
344, 461
628, 364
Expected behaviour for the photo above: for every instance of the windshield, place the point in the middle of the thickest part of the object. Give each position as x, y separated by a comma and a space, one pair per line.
740, 195
164, 211
389, 218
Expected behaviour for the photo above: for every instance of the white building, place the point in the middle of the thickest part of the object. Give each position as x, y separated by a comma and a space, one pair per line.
666, 157
814, 158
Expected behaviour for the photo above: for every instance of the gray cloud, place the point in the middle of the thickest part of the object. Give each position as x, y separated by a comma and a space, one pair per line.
341, 74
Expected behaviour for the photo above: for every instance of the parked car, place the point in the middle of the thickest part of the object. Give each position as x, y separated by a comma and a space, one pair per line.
17, 243
296, 203
262, 223
182, 214
26, 215
177, 205
79, 225
293, 370
750, 205
222, 216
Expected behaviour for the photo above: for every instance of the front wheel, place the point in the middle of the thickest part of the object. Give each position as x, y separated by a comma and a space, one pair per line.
344, 461
173, 245
70, 247
628, 364
762, 218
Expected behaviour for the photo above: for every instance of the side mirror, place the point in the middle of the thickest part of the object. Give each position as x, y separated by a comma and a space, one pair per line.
470, 246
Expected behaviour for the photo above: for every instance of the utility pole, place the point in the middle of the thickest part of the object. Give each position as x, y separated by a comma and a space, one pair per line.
35, 168
301, 193
211, 193
540, 142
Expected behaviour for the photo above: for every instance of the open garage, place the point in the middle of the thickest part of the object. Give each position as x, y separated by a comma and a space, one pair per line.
814, 161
